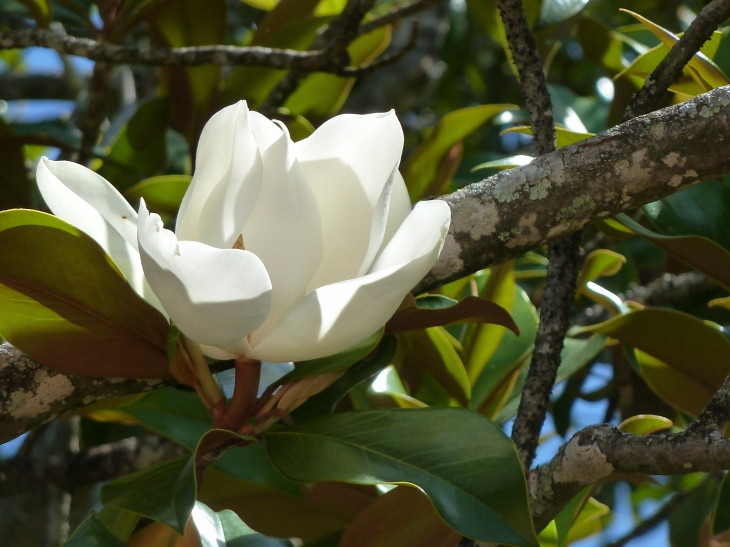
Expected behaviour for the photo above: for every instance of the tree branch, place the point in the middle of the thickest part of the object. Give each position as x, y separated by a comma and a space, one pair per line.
629, 165
670, 68
396, 14
563, 253
598, 452
492, 221
94, 114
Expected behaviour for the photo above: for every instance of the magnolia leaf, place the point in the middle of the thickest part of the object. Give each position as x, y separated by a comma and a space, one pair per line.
721, 518
698, 252
645, 424
707, 70
677, 340
83, 319
563, 136
470, 310
331, 363
465, 464
421, 167
92, 533
178, 415
482, 340
599, 263
162, 194
325, 401
118, 521
403, 517
41, 10
322, 95
505, 163
164, 492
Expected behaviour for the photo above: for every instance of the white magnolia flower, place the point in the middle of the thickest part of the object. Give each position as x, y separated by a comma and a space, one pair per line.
282, 251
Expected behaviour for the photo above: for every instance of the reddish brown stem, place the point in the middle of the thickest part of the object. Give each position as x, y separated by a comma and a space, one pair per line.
248, 372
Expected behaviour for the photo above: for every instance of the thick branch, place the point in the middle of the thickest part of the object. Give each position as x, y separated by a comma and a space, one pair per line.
634, 163
597, 452
31, 394
492, 221
101, 463
670, 68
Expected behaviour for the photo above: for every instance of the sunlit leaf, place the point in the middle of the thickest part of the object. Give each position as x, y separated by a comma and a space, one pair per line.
698, 352
41, 10
505, 163
69, 320
707, 70
563, 136
320, 95
420, 169
645, 424
599, 263
465, 464
481, 341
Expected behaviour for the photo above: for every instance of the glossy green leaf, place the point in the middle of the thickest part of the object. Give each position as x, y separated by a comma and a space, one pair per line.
554, 11
176, 414
482, 341
333, 362
85, 318
164, 492
579, 519
599, 263
471, 309
465, 464
92, 533
403, 517
511, 351
445, 365
238, 534
505, 163
721, 517
162, 194
140, 149
682, 342
600, 43
699, 210
118, 521
645, 424
320, 96
700, 253
266, 5
708, 71
325, 401
690, 517
421, 167
563, 136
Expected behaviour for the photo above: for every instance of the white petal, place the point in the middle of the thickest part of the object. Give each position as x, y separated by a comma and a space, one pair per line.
398, 209
284, 230
350, 161
89, 202
335, 317
215, 296
264, 130
423, 227
226, 183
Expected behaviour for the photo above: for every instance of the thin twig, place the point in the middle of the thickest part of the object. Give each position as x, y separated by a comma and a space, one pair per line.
563, 254
653, 521
396, 14
670, 68
333, 42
